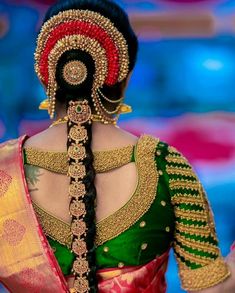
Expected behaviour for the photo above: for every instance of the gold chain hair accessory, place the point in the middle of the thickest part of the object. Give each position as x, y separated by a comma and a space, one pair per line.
93, 33
79, 113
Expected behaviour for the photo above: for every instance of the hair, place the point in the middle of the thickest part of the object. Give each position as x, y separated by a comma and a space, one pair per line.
67, 93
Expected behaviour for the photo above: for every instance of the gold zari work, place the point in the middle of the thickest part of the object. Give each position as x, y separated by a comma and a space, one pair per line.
190, 214
176, 160
183, 184
139, 203
193, 258
193, 229
183, 171
199, 245
189, 192
194, 280
54, 227
142, 198
57, 162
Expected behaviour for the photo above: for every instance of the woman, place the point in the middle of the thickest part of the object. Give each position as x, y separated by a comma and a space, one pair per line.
86, 206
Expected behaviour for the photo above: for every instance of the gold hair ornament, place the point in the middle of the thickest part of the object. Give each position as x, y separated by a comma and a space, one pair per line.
91, 46
79, 113
74, 72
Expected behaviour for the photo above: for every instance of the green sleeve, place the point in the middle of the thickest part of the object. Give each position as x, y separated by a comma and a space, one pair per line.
195, 242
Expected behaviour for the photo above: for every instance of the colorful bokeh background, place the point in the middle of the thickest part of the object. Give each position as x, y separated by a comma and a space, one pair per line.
183, 88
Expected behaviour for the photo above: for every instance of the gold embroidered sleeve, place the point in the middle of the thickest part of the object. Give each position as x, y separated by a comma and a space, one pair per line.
195, 242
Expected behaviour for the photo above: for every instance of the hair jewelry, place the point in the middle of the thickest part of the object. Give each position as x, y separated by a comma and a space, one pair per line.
79, 113
88, 31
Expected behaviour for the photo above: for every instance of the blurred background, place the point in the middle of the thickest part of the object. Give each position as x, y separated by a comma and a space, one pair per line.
183, 88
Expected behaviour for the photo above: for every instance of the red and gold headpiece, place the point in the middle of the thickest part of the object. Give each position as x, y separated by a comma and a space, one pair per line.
93, 33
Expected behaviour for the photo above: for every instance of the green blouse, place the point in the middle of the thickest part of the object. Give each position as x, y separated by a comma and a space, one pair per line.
168, 209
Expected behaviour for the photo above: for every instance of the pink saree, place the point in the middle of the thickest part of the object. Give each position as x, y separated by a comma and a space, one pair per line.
27, 263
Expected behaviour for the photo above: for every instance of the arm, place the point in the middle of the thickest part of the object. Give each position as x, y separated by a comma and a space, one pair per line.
201, 266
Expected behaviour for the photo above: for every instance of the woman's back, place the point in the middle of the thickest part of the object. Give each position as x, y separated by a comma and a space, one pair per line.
114, 188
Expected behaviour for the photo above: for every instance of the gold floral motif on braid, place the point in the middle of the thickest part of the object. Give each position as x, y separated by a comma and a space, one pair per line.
204, 277
53, 227
197, 230
183, 171
190, 215
197, 259
57, 162
187, 200
91, 17
199, 245
142, 198
183, 184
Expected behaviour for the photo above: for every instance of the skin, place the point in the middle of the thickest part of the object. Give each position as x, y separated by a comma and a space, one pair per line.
114, 188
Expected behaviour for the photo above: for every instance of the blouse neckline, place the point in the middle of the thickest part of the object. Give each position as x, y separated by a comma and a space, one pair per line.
122, 219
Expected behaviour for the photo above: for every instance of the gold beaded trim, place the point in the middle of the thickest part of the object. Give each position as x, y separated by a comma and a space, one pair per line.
190, 215
57, 162
208, 276
183, 184
142, 198
54, 227
137, 205
193, 229
91, 17
193, 258
199, 245
175, 159
187, 200
183, 171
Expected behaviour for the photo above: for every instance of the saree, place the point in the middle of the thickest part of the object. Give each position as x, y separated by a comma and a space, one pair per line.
27, 262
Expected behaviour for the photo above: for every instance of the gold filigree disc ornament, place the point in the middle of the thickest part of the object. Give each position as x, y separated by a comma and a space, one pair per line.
75, 72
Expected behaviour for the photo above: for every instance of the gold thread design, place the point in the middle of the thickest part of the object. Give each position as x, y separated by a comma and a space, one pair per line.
193, 229
53, 227
183, 171
175, 159
190, 214
118, 222
185, 195
187, 200
74, 72
197, 259
57, 162
142, 198
183, 184
205, 277
202, 246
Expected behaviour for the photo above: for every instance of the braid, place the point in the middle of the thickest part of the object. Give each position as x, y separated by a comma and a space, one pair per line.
89, 201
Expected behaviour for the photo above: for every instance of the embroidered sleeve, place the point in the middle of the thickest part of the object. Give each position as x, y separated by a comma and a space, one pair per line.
195, 242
